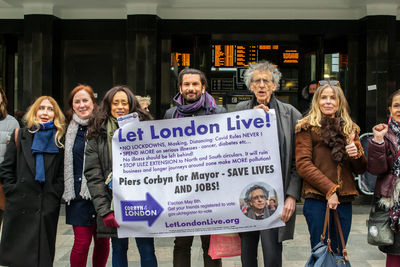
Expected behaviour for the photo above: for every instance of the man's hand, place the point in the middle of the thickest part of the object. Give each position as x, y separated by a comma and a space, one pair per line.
288, 208
262, 106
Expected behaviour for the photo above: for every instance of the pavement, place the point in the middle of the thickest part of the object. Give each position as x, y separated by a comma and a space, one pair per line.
295, 252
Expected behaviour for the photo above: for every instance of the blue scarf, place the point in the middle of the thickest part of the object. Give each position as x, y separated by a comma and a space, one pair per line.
43, 142
206, 101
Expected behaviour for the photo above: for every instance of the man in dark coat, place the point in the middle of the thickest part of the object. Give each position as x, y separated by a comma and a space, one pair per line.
263, 79
306, 97
32, 208
192, 100
257, 198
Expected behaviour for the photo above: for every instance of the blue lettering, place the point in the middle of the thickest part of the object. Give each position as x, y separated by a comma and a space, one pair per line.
131, 136
120, 139
152, 133
230, 128
258, 122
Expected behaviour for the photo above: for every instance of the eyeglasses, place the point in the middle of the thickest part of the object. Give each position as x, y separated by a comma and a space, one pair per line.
330, 82
265, 81
258, 197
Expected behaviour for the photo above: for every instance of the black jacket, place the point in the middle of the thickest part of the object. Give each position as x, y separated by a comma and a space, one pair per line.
97, 168
32, 209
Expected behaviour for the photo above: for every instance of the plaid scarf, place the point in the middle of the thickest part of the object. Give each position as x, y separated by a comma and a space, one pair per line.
394, 211
206, 101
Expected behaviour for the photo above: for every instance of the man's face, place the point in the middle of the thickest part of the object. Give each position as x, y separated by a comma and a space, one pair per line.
312, 88
262, 86
258, 200
191, 88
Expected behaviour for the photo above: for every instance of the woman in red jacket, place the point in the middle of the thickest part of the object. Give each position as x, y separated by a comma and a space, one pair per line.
384, 161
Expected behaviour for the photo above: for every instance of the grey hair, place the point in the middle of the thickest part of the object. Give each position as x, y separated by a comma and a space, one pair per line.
262, 66
247, 197
144, 99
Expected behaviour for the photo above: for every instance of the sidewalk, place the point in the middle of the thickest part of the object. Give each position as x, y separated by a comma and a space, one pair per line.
295, 252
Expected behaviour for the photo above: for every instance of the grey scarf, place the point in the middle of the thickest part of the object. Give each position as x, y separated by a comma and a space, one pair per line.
69, 190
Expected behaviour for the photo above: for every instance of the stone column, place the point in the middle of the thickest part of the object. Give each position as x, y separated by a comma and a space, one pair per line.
143, 57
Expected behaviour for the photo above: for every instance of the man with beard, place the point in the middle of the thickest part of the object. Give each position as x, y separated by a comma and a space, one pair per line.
192, 100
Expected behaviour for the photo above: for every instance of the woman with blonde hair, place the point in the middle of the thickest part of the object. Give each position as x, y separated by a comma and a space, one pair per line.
328, 152
32, 173
7, 125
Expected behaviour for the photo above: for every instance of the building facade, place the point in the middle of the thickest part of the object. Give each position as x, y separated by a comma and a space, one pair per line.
48, 47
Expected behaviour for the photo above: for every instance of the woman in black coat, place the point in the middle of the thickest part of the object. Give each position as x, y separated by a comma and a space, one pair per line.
32, 176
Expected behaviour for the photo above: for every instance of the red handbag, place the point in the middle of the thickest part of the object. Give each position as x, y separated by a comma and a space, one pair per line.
224, 245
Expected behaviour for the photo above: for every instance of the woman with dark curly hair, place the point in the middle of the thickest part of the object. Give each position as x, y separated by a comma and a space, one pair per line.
328, 152
117, 102
384, 161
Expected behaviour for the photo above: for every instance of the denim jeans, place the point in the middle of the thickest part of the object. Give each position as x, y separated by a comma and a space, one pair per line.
145, 247
314, 211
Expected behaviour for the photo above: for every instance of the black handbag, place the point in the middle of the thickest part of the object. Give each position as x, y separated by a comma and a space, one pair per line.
322, 254
378, 223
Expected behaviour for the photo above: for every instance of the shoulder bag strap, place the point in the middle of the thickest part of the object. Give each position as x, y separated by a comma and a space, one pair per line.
339, 227
326, 227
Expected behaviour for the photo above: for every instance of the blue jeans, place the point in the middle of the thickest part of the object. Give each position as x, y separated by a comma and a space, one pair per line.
145, 247
314, 211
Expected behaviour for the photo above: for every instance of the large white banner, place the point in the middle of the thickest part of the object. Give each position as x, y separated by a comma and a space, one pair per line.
190, 176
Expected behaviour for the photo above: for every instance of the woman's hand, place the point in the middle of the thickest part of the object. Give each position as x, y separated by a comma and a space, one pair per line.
333, 201
262, 106
379, 132
351, 148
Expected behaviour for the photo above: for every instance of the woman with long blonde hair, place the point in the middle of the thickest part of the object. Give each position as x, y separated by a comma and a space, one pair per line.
328, 152
32, 173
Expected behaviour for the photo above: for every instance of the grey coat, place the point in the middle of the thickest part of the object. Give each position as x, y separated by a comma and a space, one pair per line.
287, 117
7, 127
97, 168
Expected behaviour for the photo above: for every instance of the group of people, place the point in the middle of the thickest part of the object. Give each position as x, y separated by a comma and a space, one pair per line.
48, 160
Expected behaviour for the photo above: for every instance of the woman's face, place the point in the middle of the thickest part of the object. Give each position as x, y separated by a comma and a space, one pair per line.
328, 103
395, 108
119, 105
45, 112
82, 104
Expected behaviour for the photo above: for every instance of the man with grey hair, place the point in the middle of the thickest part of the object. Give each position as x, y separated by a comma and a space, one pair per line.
256, 197
263, 79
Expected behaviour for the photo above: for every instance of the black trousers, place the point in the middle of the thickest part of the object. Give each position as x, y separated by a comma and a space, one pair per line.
183, 246
272, 249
